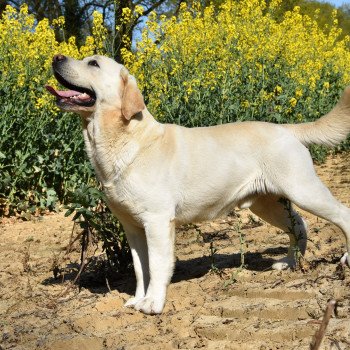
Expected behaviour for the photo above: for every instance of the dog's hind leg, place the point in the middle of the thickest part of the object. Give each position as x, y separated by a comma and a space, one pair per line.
308, 192
138, 246
278, 212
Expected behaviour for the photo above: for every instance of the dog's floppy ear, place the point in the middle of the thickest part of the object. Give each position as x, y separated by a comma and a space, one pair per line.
132, 99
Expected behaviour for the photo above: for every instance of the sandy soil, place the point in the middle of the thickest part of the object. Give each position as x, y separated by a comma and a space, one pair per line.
212, 302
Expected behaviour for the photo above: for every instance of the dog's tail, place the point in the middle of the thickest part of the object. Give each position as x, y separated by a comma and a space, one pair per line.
330, 129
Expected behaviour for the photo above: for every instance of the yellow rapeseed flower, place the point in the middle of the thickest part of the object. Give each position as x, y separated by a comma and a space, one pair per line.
245, 104
278, 89
139, 10
298, 93
300, 117
293, 101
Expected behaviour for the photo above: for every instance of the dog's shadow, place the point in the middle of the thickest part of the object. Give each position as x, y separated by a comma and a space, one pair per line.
99, 279
198, 267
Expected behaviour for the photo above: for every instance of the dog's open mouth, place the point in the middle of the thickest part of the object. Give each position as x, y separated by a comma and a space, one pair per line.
76, 95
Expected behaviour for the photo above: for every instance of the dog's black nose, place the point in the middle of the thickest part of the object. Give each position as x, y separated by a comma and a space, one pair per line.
59, 58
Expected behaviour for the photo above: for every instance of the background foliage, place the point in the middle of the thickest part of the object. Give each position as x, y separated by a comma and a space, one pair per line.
41, 150
213, 66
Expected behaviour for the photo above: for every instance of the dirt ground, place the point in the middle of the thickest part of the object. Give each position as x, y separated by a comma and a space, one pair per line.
212, 303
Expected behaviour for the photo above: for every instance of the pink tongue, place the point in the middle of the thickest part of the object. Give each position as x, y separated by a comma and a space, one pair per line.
63, 93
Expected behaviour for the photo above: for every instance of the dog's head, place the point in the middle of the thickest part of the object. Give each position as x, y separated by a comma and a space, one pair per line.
95, 83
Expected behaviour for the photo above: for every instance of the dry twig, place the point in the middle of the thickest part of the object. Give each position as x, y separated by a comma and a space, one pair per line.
315, 345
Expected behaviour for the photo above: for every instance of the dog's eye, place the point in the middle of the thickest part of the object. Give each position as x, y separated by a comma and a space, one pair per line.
93, 63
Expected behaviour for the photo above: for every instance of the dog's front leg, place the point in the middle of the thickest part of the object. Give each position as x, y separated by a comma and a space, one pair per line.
138, 246
160, 236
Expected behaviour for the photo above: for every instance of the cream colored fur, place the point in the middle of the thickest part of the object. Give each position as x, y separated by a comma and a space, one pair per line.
330, 129
157, 176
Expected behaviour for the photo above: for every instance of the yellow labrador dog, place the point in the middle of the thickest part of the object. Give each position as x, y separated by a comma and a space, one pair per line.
157, 176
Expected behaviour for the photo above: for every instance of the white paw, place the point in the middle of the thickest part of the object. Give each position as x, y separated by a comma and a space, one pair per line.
132, 301
345, 259
150, 306
284, 263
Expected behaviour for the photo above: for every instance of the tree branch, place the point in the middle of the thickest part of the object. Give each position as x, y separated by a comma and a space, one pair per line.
153, 7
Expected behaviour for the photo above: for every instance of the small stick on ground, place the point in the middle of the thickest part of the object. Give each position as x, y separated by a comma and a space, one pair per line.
72, 240
86, 238
107, 284
315, 345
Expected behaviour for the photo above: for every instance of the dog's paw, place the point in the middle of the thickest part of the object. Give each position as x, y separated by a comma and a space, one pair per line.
150, 306
284, 264
132, 302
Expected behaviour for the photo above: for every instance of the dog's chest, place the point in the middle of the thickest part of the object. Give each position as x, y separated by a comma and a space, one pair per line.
109, 157
124, 200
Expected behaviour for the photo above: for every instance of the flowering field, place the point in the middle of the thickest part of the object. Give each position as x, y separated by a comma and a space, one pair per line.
238, 63
41, 150
207, 66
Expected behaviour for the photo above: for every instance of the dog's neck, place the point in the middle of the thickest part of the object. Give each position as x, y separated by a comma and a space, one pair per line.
112, 142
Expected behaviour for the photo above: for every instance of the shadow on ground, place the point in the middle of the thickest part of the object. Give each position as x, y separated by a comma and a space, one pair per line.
99, 278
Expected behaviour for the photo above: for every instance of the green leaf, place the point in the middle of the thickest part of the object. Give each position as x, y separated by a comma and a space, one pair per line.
69, 212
